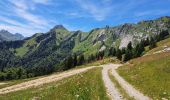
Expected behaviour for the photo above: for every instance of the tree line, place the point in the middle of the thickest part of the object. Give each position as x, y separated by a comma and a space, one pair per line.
77, 60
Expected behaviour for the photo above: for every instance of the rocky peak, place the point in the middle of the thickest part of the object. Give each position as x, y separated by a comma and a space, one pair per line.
19, 36
59, 27
7, 36
3, 31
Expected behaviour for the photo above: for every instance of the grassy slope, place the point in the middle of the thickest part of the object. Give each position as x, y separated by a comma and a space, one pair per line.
160, 46
25, 48
85, 86
87, 45
150, 74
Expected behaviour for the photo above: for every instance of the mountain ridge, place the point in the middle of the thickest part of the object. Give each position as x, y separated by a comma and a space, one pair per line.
7, 36
43, 53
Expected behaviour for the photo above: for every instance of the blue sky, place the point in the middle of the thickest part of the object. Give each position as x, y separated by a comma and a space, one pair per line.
32, 16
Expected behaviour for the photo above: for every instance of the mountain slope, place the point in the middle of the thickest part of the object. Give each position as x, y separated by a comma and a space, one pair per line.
120, 36
45, 52
39, 54
150, 73
7, 36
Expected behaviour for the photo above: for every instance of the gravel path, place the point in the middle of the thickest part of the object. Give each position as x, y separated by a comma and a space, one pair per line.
3, 83
130, 90
41, 81
111, 89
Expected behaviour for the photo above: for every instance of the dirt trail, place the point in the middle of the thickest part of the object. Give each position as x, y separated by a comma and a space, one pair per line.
3, 83
43, 80
112, 91
130, 90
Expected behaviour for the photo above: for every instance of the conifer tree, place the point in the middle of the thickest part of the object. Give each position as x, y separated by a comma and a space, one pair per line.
81, 60
110, 51
152, 43
129, 46
75, 60
128, 55
118, 54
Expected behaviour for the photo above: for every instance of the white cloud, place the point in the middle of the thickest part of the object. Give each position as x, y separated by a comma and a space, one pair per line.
10, 21
31, 17
17, 27
28, 31
21, 9
99, 12
33, 23
151, 12
20, 4
45, 2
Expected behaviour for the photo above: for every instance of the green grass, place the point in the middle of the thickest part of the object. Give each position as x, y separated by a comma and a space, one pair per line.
21, 51
25, 48
87, 45
85, 86
120, 89
165, 19
62, 31
150, 74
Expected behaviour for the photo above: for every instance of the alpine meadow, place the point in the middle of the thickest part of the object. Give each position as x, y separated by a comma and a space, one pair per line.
84, 50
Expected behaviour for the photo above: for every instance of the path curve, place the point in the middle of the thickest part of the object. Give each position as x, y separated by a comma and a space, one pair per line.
130, 90
43, 80
112, 91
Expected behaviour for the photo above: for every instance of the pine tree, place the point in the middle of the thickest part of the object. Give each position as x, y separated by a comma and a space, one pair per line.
139, 49
123, 50
129, 46
152, 43
128, 55
118, 54
101, 55
111, 51
81, 60
114, 52
163, 34
92, 57
75, 60
68, 63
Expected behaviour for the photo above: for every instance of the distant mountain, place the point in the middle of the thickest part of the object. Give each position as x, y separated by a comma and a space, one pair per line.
19, 36
45, 52
7, 36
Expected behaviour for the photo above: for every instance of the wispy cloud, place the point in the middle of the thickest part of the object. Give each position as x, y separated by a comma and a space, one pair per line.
99, 12
40, 15
21, 9
151, 12
10, 21
45, 2
15, 29
15, 26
